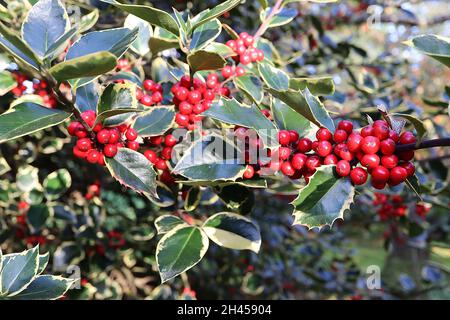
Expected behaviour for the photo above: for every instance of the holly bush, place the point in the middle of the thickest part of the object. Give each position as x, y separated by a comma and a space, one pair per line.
212, 149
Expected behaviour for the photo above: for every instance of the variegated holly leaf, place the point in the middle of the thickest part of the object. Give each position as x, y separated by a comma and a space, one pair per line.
179, 250
133, 170
317, 85
287, 118
231, 230
251, 86
437, 47
154, 122
46, 287
274, 78
167, 223
324, 199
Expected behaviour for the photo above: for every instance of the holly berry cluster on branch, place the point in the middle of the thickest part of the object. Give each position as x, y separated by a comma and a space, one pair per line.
40, 87
191, 99
245, 50
152, 93
394, 206
104, 142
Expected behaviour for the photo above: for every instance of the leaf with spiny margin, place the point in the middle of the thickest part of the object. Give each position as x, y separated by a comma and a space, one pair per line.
232, 112
27, 118
167, 223
307, 105
205, 34
437, 47
117, 104
133, 170
251, 86
324, 199
91, 65
233, 231
203, 60
141, 44
154, 122
162, 40
317, 85
152, 15
208, 159
417, 123
45, 287
215, 12
179, 250
287, 118
275, 78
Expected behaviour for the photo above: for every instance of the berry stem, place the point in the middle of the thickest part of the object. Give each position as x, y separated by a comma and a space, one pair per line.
444, 142
263, 27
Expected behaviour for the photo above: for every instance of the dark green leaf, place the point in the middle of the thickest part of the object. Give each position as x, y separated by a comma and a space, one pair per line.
117, 104
215, 12
251, 86
324, 199
193, 198
221, 49
275, 78
133, 170
288, 119
180, 250
90, 65
87, 97
152, 15
60, 45
231, 230
7, 82
45, 23
56, 183
204, 60
37, 216
437, 47
141, 44
167, 222
45, 287
155, 122
205, 34
317, 85
27, 118
307, 105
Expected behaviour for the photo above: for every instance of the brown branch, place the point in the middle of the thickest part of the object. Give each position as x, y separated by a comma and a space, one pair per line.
444, 142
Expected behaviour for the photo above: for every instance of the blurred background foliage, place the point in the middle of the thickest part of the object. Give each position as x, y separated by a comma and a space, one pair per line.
91, 222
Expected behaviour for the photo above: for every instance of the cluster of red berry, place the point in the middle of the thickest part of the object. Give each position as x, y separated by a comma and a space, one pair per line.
374, 148
152, 94
106, 141
244, 48
191, 101
123, 65
393, 206
40, 87
93, 190
160, 153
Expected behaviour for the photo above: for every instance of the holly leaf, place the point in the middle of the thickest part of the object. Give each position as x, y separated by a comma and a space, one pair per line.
307, 105
232, 112
27, 118
287, 118
141, 44
251, 86
205, 34
231, 230
213, 13
203, 60
283, 17
133, 170
167, 223
324, 199
117, 104
44, 24
316, 85
46, 287
56, 183
179, 250
417, 123
154, 122
434, 46
7, 82
275, 78
91, 65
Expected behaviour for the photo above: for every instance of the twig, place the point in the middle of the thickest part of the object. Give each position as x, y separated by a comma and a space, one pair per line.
444, 142
263, 27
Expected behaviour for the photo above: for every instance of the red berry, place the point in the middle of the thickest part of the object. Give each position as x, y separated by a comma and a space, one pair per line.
343, 168
284, 153
103, 136
358, 176
324, 148
313, 162
346, 125
340, 136
406, 155
249, 172
194, 97
156, 140
170, 140
260, 54
378, 185
323, 134
149, 85
367, 131
182, 93
185, 108
407, 137
161, 164
397, 176
248, 41
84, 144
298, 161
410, 169
284, 137
345, 154
240, 71
114, 135
330, 159
381, 131
80, 132
389, 161
370, 145
197, 108
293, 136
166, 153
78, 153
157, 97
231, 44
387, 146
287, 169
209, 95
370, 160
93, 156
133, 145
380, 174
151, 156
110, 150
131, 134
89, 116
73, 127
245, 58
98, 127
393, 135
181, 119
227, 72
304, 145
